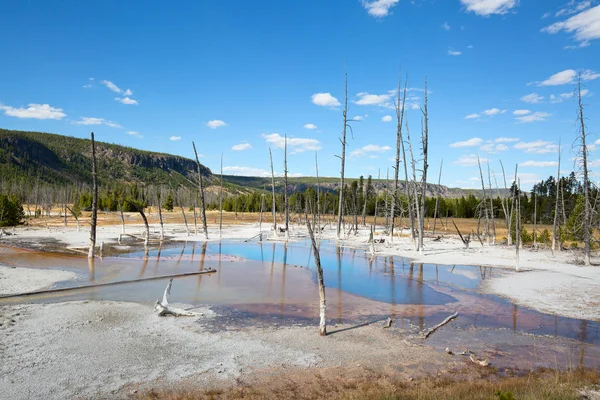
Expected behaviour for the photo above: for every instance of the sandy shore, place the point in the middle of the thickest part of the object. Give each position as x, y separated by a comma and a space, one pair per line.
19, 280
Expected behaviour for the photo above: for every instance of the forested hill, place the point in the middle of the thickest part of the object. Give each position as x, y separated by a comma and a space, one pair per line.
58, 159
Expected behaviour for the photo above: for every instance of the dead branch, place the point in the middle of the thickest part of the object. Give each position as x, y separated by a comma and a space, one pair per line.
427, 333
164, 308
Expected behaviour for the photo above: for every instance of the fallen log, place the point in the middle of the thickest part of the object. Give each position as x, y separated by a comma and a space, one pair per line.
46, 291
483, 363
164, 308
388, 323
427, 333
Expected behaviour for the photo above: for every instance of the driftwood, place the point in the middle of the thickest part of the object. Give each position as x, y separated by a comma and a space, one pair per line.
427, 333
164, 308
484, 363
388, 323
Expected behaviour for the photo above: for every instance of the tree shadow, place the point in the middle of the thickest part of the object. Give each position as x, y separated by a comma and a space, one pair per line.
357, 326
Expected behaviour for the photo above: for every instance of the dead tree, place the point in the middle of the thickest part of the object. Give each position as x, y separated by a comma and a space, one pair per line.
285, 190
425, 144
400, 120
376, 200
517, 202
437, 198
343, 159
415, 186
273, 191
92, 250
583, 150
483, 205
491, 204
322, 304
318, 195
556, 224
74, 215
160, 217
202, 204
221, 201
508, 211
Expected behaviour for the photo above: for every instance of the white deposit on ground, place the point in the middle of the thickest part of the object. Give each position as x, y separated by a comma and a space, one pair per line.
19, 280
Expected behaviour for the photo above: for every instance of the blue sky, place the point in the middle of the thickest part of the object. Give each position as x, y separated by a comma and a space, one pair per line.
236, 76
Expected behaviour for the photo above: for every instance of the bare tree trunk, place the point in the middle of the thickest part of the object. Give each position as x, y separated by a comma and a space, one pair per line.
407, 191
425, 144
195, 216
202, 204
517, 202
507, 213
221, 201
147, 238
534, 221
322, 304
376, 200
318, 195
491, 204
556, 225
586, 182
122, 216
343, 158
162, 227
74, 215
273, 208
400, 120
285, 190
415, 186
92, 250
483, 202
387, 195
437, 198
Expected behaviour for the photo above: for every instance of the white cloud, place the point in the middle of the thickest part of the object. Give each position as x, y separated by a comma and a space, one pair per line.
111, 86
472, 116
366, 99
536, 116
494, 111
252, 171
532, 98
126, 100
573, 7
325, 100
96, 121
370, 150
537, 147
175, 138
310, 126
538, 164
469, 160
358, 118
488, 7
491, 147
506, 140
215, 123
560, 78
454, 52
589, 75
468, 143
297, 145
528, 178
378, 8
36, 111
128, 92
387, 118
585, 26
521, 112
241, 147
136, 134
446, 26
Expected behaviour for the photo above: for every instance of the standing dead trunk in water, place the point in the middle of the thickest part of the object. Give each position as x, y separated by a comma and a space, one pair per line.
400, 119
343, 158
407, 189
140, 210
202, 204
221, 201
425, 145
587, 214
437, 198
556, 224
491, 204
286, 200
92, 250
322, 304
273, 208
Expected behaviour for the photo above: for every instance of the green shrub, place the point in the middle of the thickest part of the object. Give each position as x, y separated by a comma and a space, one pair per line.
11, 211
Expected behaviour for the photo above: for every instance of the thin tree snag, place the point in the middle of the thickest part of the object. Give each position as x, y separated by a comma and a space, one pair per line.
483, 202
160, 217
400, 120
92, 250
164, 308
285, 191
202, 203
425, 146
586, 182
318, 195
74, 215
491, 204
507, 213
322, 303
555, 225
221, 201
273, 208
343, 159
427, 333
518, 224
376, 200
437, 198
465, 241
